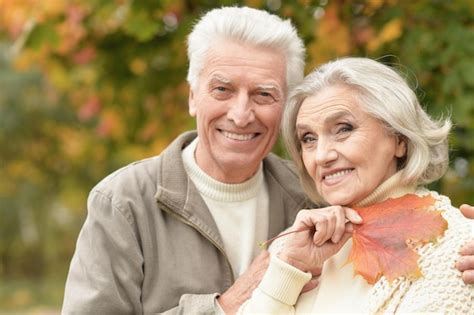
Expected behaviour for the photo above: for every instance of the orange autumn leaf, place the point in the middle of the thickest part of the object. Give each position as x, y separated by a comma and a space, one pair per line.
381, 242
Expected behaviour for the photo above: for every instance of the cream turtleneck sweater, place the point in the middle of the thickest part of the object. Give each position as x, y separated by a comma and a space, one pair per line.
340, 291
239, 210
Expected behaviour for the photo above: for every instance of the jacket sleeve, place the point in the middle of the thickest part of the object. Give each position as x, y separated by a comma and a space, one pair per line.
279, 290
106, 271
197, 304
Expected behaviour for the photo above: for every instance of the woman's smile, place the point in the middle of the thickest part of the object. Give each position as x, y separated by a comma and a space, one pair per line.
334, 177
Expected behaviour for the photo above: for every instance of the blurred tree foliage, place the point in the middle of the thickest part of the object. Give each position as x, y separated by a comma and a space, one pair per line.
88, 86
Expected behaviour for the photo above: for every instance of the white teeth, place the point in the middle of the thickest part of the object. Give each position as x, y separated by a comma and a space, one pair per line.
338, 174
236, 136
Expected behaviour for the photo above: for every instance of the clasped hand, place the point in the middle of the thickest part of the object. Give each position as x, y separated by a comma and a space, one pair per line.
322, 234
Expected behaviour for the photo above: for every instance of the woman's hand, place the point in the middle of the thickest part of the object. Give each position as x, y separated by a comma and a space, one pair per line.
326, 230
465, 264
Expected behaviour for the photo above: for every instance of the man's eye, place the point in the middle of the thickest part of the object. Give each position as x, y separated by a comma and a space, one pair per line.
221, 92
263, 97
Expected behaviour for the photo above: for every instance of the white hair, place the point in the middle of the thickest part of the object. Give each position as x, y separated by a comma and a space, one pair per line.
385, 95
247, 26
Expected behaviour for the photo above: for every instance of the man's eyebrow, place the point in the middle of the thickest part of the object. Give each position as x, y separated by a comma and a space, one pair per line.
271, 87
219, 79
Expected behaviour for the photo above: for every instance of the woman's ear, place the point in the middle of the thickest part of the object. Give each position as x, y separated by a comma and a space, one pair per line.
401, 149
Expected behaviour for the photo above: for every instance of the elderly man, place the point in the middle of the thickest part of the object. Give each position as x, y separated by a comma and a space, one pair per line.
178, 232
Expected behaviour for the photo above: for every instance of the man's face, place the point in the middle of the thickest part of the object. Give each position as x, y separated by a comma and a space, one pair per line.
238, 105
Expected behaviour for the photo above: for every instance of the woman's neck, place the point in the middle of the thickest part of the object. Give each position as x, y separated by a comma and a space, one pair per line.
391, 188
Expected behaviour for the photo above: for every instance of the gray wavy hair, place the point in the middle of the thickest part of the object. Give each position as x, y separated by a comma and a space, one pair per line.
247, 26
385, 95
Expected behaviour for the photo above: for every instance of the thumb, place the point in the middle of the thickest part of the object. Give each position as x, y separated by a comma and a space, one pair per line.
352, 215
467, 211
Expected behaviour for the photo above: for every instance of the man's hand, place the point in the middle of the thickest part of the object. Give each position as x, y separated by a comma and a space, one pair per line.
466, 263
243, 287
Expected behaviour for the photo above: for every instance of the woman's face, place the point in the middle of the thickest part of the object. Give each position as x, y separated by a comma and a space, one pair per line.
347, 152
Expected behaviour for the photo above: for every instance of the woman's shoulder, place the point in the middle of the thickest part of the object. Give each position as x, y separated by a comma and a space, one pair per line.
456, 221
440, 288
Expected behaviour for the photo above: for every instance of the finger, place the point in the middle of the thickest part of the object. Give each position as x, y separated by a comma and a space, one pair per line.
313, 283
467, 249
331, 226
467, 211
352, 215
322, 225
465, 263
468, 277
349, 228
340, 225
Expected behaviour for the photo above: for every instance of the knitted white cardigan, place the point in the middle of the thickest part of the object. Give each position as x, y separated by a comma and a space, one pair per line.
440, 290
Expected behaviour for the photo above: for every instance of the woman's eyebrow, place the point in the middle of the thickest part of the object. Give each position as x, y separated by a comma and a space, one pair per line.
337, 115
327, 120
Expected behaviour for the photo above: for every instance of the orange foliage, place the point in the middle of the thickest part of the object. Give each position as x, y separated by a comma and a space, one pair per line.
381, 243
333, 37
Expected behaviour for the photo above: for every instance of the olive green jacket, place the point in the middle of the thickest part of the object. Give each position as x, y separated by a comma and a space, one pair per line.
150, 245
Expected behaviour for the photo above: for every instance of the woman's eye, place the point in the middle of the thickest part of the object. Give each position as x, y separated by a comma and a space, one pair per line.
344, 128
307, 138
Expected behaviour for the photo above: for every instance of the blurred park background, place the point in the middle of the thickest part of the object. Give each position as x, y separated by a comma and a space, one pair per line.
87, 86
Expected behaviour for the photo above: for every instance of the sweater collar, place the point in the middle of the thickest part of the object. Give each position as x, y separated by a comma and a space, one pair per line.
217, 190
391, 188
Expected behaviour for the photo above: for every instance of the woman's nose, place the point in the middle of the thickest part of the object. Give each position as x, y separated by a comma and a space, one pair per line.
326, 152
241, 111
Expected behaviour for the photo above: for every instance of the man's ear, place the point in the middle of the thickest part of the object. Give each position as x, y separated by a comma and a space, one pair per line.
191, 103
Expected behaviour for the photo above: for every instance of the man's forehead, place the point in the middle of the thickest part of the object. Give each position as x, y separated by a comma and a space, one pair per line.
268, 82
231, 58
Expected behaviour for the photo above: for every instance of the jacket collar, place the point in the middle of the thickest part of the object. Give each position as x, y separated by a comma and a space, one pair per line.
177, 193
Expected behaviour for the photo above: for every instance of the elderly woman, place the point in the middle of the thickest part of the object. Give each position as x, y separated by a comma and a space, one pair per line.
359, 136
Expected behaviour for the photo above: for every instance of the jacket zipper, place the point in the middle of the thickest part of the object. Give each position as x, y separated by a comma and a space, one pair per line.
187, 222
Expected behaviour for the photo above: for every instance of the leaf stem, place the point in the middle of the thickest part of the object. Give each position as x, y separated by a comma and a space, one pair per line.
263, 245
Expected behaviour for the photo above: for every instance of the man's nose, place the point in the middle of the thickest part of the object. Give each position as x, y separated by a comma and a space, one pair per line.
241, 111
326, 152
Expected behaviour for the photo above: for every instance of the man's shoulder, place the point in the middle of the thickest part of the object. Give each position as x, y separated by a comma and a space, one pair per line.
146, 172
280, 167
130, 177
283, 173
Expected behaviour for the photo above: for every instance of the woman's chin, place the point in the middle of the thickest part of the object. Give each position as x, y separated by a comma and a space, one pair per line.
339, 199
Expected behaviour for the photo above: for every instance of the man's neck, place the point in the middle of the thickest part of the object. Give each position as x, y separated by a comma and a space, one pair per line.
226, 173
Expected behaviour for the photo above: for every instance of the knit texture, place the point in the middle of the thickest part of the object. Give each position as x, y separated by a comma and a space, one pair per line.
440, 290
239, 210
290, 281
